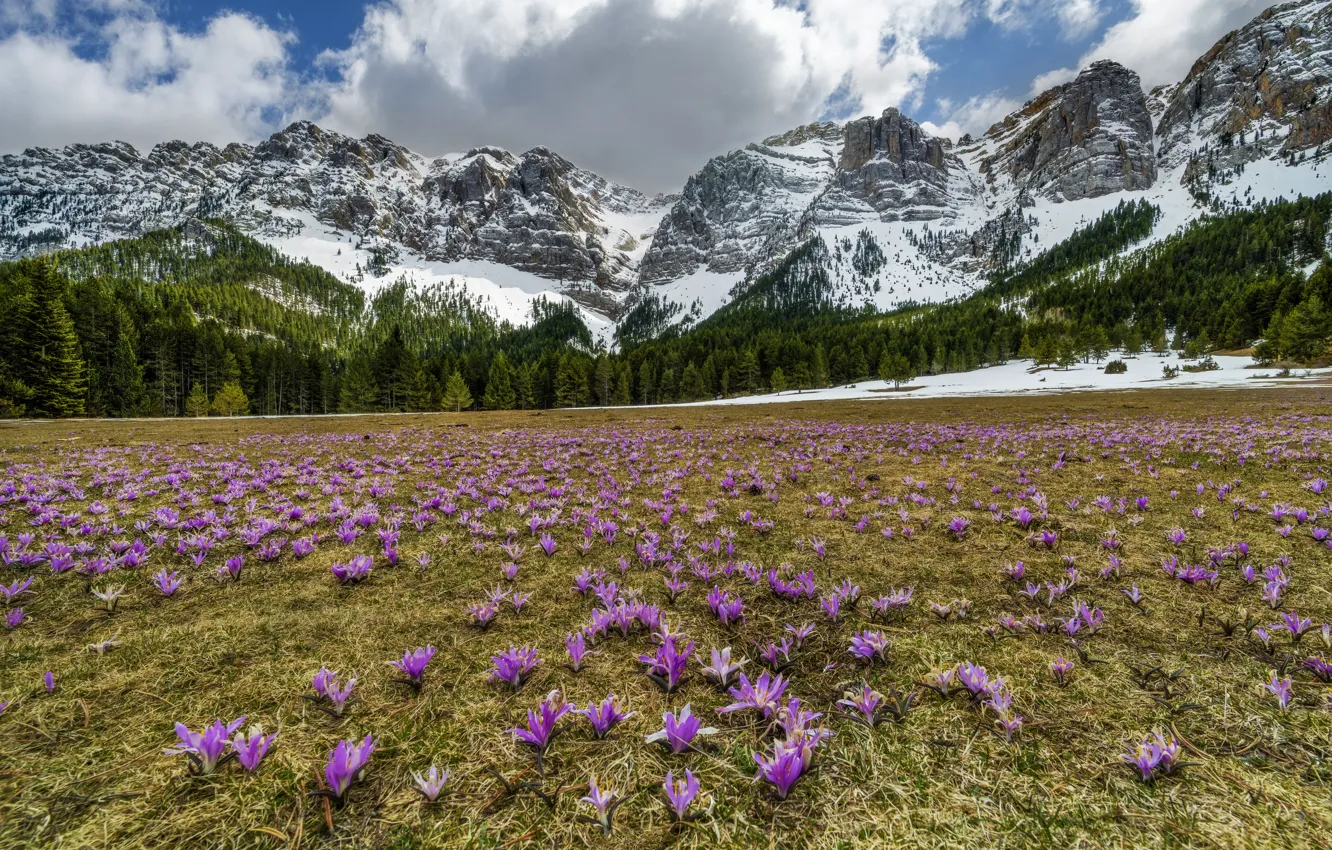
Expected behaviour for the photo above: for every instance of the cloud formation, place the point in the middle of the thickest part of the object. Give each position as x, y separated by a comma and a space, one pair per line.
643, 91
1162, 38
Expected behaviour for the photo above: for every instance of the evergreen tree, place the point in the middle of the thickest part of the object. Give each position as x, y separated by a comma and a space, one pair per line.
499, 394
691, 384
778, 380
818, 367
50, 365
231, 401
749, 371
897, 369
457, 397
360, 390
196, 404
568, 383
601, 381
523, 396
645, 386
624, 386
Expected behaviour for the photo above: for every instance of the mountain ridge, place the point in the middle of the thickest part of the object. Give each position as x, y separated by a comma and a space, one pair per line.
944, 214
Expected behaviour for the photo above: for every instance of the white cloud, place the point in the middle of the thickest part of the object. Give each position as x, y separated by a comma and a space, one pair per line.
1163, 38
641, 90
1077, 18
147, 82
975, 116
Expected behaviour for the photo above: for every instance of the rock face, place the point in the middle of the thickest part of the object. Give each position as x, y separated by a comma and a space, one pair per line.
896, 168
1271, 80
1084, 139
745, 207
535, 212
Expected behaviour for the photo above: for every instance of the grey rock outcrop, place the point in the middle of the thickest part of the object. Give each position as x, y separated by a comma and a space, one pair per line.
1084, 139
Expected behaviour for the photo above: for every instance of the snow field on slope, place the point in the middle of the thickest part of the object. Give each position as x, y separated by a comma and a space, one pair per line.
1016, 378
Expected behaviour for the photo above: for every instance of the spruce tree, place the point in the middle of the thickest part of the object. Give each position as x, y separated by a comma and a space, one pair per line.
601, 380
231, 401
778, 380
457, 397
50, 365
360, 390
523, 394
691, 384
499, 393
624, 387
196, 404
568, 383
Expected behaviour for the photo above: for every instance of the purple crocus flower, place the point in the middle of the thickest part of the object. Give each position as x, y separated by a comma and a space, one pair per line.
432, 783
547, 544
413, 664
1279, 688
869, 645
14, 618
605, 716
863, 705
785, 767
231, 569
167, 583
576, 645
16, 589
355, 571
667, 668
1061, 667
722, 671
346, 763
204, 749
679, 731
604, 801
762, 695
541, 724
680, 794
49, 681
513, 665
250, 751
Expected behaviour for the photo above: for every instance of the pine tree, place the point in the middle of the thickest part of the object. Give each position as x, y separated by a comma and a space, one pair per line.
778, 380
895, 368
50, 366
360, 390
749, 371
457, 397
231, 401
645, 382
196, 404
818, 368
568, 383
523, 394
499, 394
601, 380
624, 391
691, 384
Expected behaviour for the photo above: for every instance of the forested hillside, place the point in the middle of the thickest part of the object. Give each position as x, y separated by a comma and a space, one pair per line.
202, 319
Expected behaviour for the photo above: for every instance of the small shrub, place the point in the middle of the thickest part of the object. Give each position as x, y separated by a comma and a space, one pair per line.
1116, 367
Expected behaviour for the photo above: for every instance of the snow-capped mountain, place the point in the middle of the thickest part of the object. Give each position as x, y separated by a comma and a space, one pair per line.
1250, 121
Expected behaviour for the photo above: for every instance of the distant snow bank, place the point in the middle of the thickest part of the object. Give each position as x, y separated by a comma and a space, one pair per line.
1015, 378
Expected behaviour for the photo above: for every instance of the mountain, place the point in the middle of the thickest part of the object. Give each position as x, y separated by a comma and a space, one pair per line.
906, 218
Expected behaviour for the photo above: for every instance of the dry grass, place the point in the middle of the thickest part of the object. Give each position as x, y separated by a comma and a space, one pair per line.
84, 768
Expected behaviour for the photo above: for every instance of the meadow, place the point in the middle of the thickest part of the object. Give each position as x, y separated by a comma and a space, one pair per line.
1085, 621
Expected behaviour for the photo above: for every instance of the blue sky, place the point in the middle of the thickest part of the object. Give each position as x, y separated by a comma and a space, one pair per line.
641, 91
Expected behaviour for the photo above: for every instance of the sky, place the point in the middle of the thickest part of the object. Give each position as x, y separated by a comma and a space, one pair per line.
641, 91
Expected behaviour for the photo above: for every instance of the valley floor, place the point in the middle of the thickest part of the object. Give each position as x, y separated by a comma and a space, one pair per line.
1092, 493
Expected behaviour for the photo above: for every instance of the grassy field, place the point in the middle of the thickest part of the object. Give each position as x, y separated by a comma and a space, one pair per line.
1108, 478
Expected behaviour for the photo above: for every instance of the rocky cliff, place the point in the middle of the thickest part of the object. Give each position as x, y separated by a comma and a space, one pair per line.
1087, 138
